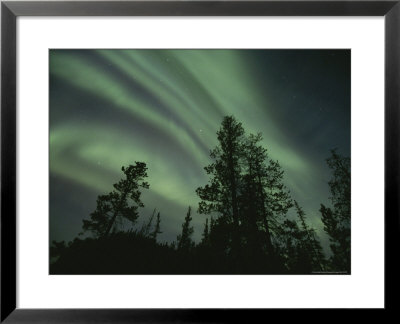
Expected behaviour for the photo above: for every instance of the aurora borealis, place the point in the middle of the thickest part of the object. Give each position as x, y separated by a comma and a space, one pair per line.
109, 108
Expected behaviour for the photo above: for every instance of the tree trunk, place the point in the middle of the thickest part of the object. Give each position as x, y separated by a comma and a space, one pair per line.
112, 221
270, 247
235, 214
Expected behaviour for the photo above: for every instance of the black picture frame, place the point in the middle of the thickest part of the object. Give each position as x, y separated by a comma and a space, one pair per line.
10, 10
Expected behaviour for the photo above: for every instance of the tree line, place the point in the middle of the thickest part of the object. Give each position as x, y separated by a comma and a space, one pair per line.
248, 225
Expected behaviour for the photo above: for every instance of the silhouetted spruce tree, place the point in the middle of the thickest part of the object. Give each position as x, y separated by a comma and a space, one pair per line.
220, 238
156, 230
290, 244
219, 235
121, 203
205, 239
254, 198
256, 236
184, 239
221, 194
267, 200
337, 219
278, 200
311, 241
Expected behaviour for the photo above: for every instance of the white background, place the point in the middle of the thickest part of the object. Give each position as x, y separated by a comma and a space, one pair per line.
363, 288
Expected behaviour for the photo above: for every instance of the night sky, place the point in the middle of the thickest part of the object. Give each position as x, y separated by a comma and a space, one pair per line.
110, 108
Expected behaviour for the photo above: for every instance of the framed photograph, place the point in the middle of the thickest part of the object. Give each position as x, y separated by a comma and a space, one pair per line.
181, 160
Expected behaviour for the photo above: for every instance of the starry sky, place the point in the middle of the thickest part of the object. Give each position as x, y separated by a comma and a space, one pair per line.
109, 108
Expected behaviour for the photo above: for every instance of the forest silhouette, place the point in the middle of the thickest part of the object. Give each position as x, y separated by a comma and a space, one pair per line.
247, 229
